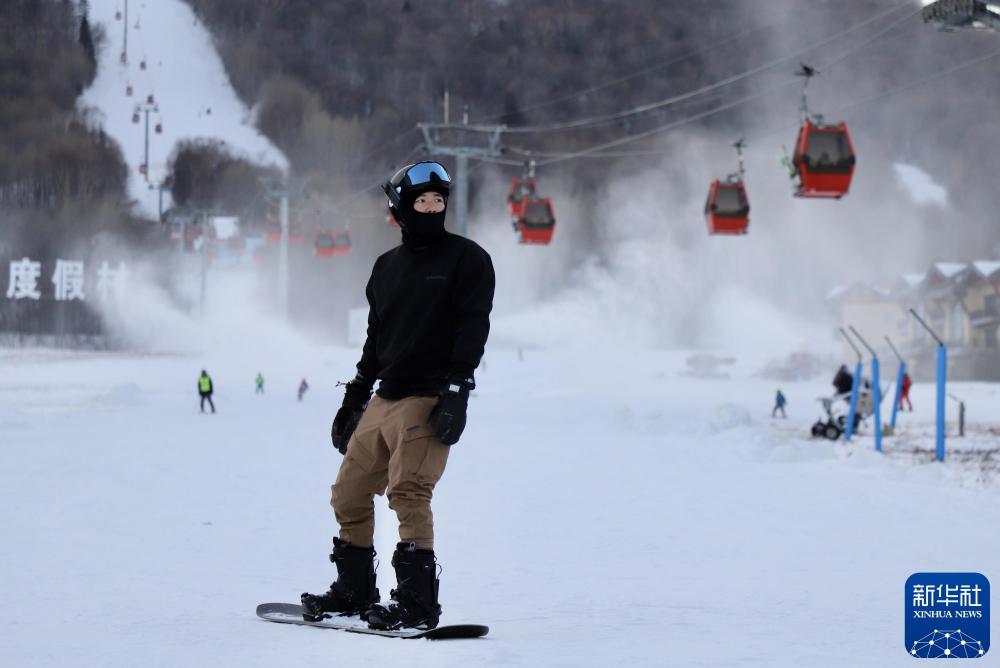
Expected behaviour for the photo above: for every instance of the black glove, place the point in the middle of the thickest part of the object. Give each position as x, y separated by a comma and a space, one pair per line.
447, 419
356, 396
344, 424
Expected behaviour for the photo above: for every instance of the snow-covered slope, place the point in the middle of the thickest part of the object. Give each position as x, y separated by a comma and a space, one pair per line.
600, 510
185, 76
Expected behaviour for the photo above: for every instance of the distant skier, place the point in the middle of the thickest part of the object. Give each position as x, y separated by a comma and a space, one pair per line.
904, 392
205, 390
303, 386
844, 380
260, 383
779, 405
429, 305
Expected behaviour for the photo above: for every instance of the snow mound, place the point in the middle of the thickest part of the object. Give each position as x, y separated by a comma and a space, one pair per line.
920, 186
128, 395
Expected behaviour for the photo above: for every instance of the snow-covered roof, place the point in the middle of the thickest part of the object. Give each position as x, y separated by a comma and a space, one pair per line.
836, 291
911, 280
949, 269
842, 291
987, 268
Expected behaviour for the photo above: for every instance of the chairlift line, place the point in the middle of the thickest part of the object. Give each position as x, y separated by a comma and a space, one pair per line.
669, 126
664, 128
594, 152
812, 128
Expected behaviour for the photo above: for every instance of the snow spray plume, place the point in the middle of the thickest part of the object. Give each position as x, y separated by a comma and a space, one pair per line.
650, 270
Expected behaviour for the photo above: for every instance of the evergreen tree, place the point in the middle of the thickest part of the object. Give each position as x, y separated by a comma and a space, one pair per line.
87, 40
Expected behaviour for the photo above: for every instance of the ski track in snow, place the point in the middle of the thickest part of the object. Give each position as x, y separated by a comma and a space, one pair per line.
189, 86
593, 514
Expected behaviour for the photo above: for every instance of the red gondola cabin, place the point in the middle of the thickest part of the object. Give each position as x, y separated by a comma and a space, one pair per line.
536, 223
329, 244
272, 230
823, 160
520, 191
727, 209
531, 215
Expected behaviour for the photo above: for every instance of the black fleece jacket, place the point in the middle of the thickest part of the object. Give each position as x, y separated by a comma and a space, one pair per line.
428, 317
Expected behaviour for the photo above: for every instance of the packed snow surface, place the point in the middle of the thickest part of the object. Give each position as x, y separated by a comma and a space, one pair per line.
601, 509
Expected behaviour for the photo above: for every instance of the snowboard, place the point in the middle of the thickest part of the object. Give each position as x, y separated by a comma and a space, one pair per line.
288, 613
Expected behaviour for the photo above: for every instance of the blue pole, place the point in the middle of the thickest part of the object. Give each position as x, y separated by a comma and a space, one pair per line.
899, 391
849, 427
942, 373
877, 404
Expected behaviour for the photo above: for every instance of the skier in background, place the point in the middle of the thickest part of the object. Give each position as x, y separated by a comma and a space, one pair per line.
260, 383
205, 390
428, 320
303, 386
779, 405
904, 392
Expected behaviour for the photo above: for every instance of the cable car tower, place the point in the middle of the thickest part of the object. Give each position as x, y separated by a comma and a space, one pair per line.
462, 141
727, 209
823, 160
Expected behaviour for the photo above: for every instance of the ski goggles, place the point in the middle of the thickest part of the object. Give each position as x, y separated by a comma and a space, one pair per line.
415, 176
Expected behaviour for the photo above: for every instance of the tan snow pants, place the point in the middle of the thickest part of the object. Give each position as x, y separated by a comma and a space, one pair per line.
392, 450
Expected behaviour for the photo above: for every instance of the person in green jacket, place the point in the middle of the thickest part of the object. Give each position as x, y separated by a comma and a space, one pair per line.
205, 390
260, 383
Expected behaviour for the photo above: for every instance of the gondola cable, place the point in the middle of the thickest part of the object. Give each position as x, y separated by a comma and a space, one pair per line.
660, 104
614, 82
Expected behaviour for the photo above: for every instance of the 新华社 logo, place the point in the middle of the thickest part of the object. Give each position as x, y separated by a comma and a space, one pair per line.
947, 615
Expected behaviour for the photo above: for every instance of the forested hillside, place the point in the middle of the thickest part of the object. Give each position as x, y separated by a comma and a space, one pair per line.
353, 75
55, 163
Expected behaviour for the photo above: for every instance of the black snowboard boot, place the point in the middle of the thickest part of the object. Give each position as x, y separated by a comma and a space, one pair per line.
353, 592
415, 598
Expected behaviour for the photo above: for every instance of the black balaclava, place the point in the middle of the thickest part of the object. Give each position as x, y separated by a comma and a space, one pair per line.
421, 228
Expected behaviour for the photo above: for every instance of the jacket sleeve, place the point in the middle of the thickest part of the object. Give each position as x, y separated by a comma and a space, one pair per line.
473, 302
368, 367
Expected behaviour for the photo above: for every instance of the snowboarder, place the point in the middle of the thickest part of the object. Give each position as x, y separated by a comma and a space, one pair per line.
260, 383
205, 390
429, 304
303, 386
904, 392
779, 404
